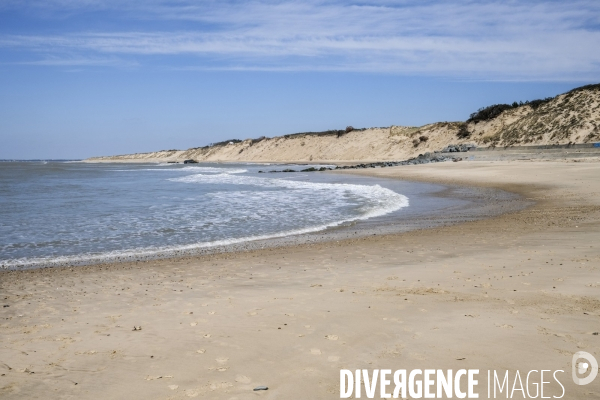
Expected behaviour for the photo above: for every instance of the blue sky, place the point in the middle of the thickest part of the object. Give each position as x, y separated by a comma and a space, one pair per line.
97, 77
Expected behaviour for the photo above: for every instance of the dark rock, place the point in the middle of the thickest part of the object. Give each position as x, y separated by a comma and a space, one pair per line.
190, 162
457, 148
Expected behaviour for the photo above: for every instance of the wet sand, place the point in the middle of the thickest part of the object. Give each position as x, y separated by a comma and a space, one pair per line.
518, 291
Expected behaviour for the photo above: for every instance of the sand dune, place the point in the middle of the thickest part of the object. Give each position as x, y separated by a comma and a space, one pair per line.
573, 117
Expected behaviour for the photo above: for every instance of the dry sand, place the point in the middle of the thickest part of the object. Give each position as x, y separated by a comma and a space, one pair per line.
516, 292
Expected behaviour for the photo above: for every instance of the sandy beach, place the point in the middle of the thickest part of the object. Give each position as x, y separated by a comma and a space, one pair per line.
515, 292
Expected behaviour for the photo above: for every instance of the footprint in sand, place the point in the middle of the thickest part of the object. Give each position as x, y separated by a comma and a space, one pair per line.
201, 351
332, 337
207, 335
252, 313
505, 326
173, 387
333, 358
242, 379
316, 352
193, 323
290, 315
222, 360
212, 312
222, 369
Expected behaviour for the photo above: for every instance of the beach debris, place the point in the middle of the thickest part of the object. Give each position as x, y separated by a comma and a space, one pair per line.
260, 388
137, 328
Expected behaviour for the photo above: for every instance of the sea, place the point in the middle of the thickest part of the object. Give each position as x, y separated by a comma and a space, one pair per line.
55, 213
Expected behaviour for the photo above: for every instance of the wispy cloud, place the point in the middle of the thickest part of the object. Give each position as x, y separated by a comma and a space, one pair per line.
548, 40
81, 62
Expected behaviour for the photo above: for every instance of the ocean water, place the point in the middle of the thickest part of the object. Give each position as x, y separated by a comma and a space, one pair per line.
57, 213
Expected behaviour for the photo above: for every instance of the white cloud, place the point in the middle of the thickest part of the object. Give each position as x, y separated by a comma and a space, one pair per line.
484, 40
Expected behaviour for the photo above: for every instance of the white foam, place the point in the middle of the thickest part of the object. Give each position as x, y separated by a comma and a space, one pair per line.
376, 200
191, 169
386, 200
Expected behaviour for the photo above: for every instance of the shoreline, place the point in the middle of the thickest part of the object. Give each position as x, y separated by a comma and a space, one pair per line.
479, 204
511, 292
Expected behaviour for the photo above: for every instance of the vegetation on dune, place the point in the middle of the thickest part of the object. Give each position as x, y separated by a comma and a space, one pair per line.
595, 86
493, 111
330, 132
225, 142
463, 131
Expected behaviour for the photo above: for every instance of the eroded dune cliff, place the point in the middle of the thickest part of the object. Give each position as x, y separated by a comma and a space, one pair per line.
572, 117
